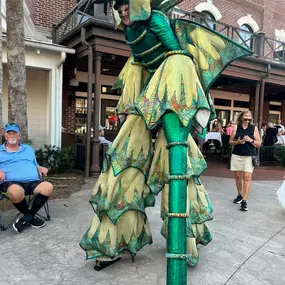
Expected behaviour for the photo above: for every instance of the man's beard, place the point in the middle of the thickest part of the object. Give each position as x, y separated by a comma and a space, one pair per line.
12, 141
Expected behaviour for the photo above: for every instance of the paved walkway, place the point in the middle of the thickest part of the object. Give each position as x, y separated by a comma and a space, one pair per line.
248, 248
266, 173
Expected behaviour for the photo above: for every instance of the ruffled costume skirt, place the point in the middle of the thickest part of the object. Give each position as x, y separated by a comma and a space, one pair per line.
135, 168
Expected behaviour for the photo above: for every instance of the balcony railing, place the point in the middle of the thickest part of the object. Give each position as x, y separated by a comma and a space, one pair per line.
85, 10
261, 45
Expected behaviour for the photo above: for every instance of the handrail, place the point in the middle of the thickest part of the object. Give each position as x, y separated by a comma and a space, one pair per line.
82, 2
82, 12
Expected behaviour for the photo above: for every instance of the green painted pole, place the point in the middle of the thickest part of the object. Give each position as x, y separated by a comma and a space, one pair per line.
176, 136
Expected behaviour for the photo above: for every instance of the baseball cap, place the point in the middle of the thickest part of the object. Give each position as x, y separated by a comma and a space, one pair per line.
12, 127
101, 128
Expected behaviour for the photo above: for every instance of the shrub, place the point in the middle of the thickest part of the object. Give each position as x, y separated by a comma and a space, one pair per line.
29, 142
56, 159
280, 155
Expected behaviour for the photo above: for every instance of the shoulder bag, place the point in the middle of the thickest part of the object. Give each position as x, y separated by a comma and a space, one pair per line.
255, 157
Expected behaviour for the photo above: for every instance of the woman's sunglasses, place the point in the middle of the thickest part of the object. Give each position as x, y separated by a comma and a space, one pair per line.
247, 120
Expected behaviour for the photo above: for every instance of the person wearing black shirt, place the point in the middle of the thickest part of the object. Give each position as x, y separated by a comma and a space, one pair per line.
280, 128
270, 137
245, 138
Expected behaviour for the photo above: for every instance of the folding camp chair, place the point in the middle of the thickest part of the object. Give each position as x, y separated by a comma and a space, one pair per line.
30, 200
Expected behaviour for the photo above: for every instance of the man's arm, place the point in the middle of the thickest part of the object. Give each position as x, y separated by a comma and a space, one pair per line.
43, 171
104, 141
2, 175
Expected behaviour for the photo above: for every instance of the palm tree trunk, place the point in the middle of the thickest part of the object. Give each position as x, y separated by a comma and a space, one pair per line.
17, 99
1, 79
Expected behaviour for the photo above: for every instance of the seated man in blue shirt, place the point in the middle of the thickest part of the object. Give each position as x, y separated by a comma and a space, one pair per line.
20, 175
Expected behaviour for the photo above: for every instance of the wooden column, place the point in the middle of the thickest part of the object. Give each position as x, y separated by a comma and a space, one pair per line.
95, 167
283, 112
257, 93
261, 103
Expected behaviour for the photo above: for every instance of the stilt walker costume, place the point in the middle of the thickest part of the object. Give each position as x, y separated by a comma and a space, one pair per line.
165, 86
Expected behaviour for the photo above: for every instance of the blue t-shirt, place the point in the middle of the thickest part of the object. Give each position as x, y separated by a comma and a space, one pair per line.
20, 166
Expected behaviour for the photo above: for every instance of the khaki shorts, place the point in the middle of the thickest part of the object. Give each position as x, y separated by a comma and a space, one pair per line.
241, 163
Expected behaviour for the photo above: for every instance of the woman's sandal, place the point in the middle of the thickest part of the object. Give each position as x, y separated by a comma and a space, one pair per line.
100, 264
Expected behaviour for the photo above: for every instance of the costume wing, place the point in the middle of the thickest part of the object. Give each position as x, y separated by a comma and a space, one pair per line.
212, 51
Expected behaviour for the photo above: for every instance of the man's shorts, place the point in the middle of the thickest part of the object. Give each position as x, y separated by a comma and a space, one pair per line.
28, 187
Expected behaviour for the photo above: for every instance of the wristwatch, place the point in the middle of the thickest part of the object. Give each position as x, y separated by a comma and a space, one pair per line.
252, 141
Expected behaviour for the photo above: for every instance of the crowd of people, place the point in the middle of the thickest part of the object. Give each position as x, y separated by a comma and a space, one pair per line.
270, 133
245, 139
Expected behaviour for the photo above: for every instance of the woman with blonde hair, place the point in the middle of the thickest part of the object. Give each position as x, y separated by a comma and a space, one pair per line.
246, 139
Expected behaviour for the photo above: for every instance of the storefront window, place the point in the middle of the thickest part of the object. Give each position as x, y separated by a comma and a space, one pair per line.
108, 90
81, 106
273, 118
222, 102
275, 108
80, 115
80, 126
241, 104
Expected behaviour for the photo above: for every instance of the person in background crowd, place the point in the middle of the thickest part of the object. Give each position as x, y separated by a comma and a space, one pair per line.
263, 131
102, 138
245, 138
270, 137
229, 128
280, 128
200, 138
113, 119
217, 127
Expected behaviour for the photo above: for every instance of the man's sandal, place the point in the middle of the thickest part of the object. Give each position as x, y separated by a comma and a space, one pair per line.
100, 264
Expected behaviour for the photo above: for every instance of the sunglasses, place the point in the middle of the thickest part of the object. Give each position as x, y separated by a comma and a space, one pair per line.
247, 120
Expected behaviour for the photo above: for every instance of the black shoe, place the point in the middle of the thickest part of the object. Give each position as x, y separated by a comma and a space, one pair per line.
20, 224
238, 199
243, 205
37, 223
100, 264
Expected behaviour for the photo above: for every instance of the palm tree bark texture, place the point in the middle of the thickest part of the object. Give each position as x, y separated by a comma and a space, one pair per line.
1, 78
17, 98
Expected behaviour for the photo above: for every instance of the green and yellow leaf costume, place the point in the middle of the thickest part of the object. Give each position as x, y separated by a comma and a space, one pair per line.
165, 85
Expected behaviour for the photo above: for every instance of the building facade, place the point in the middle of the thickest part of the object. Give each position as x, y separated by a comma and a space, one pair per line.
255, 16
249, 22
259, 15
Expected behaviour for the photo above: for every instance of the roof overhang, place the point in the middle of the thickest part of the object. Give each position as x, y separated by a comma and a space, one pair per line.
44, 45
